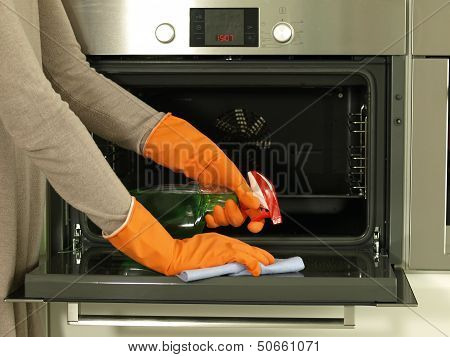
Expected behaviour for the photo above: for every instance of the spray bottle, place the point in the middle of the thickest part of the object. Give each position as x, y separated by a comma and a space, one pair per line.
181, 209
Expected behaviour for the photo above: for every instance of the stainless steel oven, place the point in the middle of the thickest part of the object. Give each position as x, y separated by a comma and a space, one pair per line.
326, 83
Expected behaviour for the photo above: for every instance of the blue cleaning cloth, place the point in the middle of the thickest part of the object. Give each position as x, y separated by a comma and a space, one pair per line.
288, 265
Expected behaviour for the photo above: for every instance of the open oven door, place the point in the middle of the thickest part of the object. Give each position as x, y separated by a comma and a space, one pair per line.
106, 278
330, 277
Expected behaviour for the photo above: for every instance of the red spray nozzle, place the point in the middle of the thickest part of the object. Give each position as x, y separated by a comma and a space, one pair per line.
265, 191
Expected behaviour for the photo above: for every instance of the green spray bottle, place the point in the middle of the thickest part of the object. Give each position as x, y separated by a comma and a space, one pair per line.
181, 209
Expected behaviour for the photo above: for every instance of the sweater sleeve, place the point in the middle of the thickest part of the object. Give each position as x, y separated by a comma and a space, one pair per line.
105, 108
54, 138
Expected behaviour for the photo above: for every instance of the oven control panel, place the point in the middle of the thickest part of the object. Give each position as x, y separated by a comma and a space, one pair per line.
236, 27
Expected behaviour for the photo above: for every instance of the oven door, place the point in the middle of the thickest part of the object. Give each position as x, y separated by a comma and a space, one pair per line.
107, 289
337, 223
339, 277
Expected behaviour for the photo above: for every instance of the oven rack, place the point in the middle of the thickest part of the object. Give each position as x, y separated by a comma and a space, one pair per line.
357, 152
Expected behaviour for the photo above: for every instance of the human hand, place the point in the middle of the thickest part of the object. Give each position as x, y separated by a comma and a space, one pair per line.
231, 214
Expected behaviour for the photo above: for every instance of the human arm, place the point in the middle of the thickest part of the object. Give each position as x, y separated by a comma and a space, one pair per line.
114, 114
42, 125
53, 137
104, 107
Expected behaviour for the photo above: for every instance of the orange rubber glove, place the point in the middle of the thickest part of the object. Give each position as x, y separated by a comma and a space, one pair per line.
144, 239
231, 214
176, 144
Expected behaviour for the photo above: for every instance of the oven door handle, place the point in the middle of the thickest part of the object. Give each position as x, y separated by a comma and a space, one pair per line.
74, 317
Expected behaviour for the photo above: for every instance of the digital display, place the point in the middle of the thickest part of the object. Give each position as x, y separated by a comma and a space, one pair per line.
225, 37
224, 27
215, 27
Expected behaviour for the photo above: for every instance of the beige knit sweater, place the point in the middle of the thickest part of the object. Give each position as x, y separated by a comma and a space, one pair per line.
45, 119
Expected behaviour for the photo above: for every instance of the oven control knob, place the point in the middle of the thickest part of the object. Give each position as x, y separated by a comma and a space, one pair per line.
165, 33
283, 32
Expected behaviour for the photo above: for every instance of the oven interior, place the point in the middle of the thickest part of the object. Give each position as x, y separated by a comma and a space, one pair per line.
309, 136
317, 132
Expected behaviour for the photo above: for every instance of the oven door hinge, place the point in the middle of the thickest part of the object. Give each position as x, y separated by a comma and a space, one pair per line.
77, 243
376, 244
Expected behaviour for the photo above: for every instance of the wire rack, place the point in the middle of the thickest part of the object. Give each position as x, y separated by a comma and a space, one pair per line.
241, 125
357, 152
